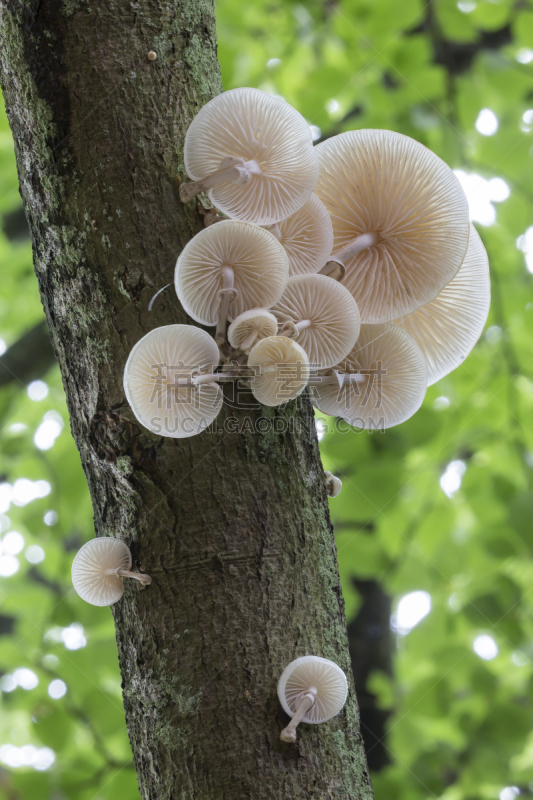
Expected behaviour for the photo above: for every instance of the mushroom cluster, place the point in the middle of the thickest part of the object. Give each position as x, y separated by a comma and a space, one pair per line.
350, 268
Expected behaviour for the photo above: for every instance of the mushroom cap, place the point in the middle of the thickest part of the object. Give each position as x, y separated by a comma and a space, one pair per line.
259, 262
333, 314
307, 236
154, 365
283, 370
247, 123
312, 671
385, 399
89, 570
447, 329
333, 484
258, 320
378, 181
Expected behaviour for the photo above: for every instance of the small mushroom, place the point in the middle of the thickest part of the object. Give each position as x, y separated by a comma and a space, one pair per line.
381, 382
322, 315
251, 326
400, 220
99, 569
333, 484
165, 381
229, 268
307, 236
313, 690
253, 154
447, 329
281, 370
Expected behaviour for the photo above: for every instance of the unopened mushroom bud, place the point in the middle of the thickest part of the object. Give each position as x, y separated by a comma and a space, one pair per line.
99, 569
400, 220
253, 154
333, 484
311, 690
229, 268
251, 326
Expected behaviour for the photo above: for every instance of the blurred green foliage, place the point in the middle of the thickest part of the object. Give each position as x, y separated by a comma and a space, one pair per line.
460, 727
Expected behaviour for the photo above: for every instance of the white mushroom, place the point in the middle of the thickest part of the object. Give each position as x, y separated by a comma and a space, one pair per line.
380, 383
99, 569
333, 484
307, 236
447, 329
229, 268
322, 315
164, 381
281, 370
251, 326
313, 690
253, 154
400, 220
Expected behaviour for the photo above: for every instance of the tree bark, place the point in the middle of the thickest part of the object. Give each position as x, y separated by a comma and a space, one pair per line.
233, 524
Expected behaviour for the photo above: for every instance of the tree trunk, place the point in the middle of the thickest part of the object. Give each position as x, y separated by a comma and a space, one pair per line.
233, 524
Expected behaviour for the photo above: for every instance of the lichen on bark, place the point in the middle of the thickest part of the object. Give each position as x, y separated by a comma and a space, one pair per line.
233, 524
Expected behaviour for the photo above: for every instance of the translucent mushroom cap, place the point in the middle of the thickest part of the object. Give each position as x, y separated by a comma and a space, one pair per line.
259, 263
307, 236
247, 123
309, 672
447, 329
93, 568
378, 181
282, 370
395, 385
257, 323
154, 369
332, 312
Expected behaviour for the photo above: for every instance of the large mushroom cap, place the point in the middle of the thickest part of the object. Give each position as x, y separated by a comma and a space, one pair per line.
310, 672
393, 389
247, 123
282, 370
250, 326
93, 567
155, 367
331, 311
259, 263
307, 236
447, 329
381, 182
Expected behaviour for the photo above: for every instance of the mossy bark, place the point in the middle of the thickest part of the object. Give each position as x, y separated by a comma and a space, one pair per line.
233, 524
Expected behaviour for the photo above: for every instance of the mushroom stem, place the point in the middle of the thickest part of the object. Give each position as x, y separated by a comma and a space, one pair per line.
292, 329
212, 377
359, 243
248, 343
138, 576
336, 378
350, 377
230, 169
333, 269
335, 266
288, 734
274, 229
302, 324
226, 295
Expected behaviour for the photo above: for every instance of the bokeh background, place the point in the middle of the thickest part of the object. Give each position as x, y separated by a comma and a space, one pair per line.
434, 523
